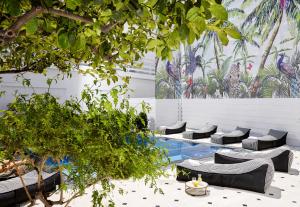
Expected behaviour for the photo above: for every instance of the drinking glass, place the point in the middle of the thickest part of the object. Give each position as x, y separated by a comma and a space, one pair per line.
199, 177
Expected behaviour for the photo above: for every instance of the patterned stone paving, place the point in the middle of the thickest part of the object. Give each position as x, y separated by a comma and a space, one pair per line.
284, 192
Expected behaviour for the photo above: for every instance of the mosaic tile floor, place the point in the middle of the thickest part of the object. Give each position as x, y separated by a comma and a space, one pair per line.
284, 192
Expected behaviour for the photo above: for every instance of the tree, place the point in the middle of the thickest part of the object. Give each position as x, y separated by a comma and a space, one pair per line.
35, 34
102, 143
164, 85
240, 48
265, 19
215, 38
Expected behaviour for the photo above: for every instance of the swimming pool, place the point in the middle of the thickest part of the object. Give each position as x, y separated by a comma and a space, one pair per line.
179, 150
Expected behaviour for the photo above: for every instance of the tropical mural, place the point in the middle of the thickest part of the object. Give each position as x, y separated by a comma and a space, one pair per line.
264, 63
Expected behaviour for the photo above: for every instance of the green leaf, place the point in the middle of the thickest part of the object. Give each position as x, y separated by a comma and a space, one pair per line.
153, 43
219, 11
151, 3
72, 4
80, 42
191, 37
183, 31
223, 37
200, 25
32, 26
192, 13
106, 13
13, 7
233, 32
63, 40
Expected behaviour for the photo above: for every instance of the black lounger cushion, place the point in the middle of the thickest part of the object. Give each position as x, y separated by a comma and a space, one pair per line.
223, 139
282, 157
13, 193
254, 175
199, 134
261, 143
175, 129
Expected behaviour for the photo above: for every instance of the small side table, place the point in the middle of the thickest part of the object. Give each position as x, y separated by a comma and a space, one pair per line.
200, 190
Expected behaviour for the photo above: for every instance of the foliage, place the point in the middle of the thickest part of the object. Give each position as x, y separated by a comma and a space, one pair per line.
35, 34
274, 84
102, 142
164, 87
265, 20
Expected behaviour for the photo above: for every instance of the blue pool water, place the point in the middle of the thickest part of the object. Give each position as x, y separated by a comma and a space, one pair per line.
179, 150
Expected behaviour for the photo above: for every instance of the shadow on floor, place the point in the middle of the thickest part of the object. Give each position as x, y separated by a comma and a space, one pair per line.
293, 171
273, 192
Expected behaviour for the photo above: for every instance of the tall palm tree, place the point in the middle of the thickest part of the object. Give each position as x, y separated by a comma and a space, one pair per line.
164, 86
240, 49
211, 37
265, 20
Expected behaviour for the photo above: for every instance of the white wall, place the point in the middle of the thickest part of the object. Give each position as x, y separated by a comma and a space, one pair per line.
166, 112
258, 114
63, 89
141, 85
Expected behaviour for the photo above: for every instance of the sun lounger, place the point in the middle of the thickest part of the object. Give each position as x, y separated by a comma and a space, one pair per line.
235, 136
254, 175
204, 132
282, 157
274, 138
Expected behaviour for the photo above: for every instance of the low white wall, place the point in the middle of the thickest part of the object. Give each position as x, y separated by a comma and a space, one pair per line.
167, 112
258, 114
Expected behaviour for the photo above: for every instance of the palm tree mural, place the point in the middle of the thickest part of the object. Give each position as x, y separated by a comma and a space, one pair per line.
190, 67
241, 52
168, 79
265, 20
164, 88
238, 71
212, 38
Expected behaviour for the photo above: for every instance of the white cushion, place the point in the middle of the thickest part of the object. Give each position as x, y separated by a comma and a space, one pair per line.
235, 133
267, 138
206, 128
194, 163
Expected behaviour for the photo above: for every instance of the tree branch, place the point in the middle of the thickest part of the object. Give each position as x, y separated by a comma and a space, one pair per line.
69, 15
27, 69
12, 32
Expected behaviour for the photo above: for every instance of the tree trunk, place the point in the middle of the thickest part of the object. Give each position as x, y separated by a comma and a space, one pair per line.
245, 64
156, 65
269, 47
40, 183
256, 83
24, 185
203, 72
216, 54
192, 85
61, 198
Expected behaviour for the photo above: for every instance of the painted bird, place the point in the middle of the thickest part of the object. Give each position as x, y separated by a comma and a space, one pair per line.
285, 68
191, 66
288, 70
284, 4
249, 67
171, 70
